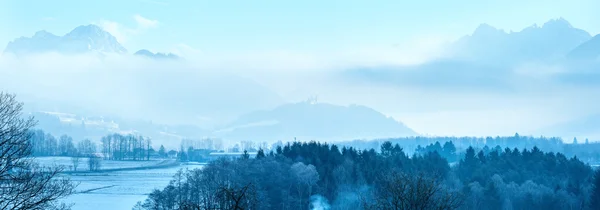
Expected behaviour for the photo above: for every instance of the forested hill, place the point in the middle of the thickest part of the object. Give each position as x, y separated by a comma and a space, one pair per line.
308, 175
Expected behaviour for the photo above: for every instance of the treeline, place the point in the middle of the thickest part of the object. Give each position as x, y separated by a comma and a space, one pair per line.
311, 175
45, 144
554, 144
126, 147
448, 150
585, 150
113, 146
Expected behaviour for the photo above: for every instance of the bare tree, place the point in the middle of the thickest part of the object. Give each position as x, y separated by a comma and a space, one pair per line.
66, 146
94, 163
400, 191
307, 177
86, 147
23, 184
148, 142
75, 161
237, 198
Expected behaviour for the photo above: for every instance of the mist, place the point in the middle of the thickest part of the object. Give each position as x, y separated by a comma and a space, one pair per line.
208, 92
324, 105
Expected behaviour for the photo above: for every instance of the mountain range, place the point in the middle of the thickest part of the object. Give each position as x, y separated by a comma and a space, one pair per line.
549, 42
488, 57
158, 55
480, 59
83, 39
555, 39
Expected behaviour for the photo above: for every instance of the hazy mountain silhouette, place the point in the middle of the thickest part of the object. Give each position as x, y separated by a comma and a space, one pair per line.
88, 127
589, 50
486, 59
83, 39
148, 54
553, 40
319, 121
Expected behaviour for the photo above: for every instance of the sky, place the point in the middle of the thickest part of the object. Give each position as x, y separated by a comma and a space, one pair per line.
269, 40
310, 27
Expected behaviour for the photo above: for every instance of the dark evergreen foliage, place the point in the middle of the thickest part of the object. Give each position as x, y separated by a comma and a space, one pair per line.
595, 198
290, 176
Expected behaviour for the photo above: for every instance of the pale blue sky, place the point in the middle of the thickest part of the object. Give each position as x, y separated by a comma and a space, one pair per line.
313, 26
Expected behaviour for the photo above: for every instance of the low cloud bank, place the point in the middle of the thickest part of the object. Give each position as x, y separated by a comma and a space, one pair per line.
436, 97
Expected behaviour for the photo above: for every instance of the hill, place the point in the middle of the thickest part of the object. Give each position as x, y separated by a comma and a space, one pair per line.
308, 120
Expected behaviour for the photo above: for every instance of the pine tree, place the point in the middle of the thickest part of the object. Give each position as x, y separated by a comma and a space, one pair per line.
183, 157
162, 152
246, 156
595, 198
260, 154
470, 159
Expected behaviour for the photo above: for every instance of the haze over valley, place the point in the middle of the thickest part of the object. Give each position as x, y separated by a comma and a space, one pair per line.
486, 83
320, 105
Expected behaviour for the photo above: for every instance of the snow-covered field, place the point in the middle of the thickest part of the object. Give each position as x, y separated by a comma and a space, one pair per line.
67, 163
119, 190
115, 190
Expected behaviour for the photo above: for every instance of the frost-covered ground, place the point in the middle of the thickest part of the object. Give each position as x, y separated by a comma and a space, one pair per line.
67, 163
119, 190
114, 190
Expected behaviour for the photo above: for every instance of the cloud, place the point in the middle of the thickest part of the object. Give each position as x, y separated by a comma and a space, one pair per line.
144, 23
124, 33
414, 51
161, 91
185, 50
119, 31
207, 85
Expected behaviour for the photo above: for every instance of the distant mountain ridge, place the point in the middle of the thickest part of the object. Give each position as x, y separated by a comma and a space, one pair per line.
306, 121
158, 55
488, 58
589, 50
82, 39
553, 40
318, 121
94, 128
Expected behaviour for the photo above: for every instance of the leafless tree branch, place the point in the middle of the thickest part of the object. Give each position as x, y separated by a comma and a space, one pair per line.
23, 184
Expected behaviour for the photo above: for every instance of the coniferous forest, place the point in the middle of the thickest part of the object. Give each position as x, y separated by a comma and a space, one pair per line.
318, 175
461, 173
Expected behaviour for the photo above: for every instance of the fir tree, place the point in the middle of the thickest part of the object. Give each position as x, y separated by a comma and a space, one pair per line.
595, 198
